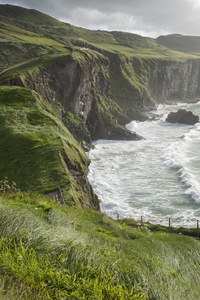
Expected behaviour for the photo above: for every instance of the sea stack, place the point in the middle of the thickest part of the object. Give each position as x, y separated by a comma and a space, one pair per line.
182, 116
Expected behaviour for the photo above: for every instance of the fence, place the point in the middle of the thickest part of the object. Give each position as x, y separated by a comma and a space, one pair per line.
169, 225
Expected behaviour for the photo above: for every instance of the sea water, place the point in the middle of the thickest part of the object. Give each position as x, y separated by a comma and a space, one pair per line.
157, 177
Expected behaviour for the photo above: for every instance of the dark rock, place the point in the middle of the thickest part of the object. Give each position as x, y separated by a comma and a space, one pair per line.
136, 114
182, 116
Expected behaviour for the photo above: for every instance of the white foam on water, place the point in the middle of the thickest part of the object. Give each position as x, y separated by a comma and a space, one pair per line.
184, 155
173, 157
156, 178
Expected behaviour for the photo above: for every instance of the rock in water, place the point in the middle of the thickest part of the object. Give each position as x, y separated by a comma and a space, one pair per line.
182, 116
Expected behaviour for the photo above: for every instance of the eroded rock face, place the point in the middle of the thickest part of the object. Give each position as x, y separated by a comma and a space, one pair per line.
182, 116
171, 80
83, 88
71, 83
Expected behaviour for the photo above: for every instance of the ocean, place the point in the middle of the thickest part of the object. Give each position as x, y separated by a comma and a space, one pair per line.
157, 177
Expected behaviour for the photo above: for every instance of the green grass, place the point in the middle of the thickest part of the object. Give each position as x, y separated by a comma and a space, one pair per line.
62, 253
178, 42
36, 149
12, 53
29, 26
32, 66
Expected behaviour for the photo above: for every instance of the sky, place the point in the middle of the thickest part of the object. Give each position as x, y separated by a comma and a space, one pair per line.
145, 17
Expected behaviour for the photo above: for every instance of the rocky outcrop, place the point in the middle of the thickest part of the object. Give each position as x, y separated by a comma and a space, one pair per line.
70, 82
182, 116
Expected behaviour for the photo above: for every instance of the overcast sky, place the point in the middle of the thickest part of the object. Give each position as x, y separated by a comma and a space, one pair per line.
146, 17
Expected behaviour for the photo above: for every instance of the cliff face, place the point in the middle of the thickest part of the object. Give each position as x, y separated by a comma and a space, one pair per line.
97, 93
175, 80
80, 82
138, 84
130, 86
72, 83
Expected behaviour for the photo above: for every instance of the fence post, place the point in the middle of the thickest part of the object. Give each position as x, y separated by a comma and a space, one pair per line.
169, 224
198, 229
117, 216
141, 222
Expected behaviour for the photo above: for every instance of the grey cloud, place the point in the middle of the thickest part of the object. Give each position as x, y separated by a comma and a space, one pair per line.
148, 17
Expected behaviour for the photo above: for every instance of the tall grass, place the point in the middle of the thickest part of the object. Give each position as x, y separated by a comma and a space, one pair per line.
60, 253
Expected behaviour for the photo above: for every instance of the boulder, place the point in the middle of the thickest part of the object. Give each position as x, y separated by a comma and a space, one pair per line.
182, 116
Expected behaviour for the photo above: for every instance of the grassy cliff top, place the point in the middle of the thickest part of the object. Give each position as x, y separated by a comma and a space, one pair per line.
178, 42
29, 33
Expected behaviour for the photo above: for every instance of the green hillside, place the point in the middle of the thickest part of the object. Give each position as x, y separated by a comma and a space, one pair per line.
32, 34
27, 15
36, 149
178, 42
51, 252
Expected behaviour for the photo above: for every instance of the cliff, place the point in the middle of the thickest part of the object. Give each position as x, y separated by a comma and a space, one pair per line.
100, 80
169, 81
95, 95
38, 153
92, 82
78, 82
139, 84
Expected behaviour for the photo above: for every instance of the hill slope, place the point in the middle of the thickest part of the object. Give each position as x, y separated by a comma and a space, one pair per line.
38, 152
21, 25
178, 42
51, 252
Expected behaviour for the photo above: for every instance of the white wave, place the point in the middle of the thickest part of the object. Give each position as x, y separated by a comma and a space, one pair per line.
174, 155
193, 193
192, 183
182, 155
155, 178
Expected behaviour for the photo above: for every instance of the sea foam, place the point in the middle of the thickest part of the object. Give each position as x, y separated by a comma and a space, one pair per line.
157, 177
184, 156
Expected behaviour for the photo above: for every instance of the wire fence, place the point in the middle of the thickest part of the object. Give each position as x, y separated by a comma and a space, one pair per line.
141, 223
